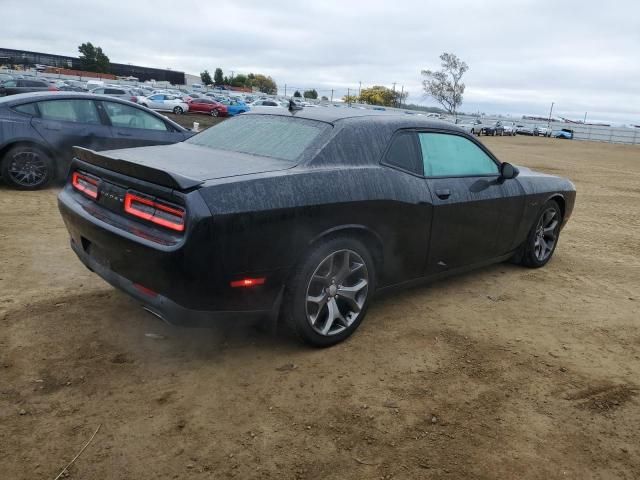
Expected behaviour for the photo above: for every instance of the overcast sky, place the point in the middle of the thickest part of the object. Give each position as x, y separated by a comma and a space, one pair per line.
522, 55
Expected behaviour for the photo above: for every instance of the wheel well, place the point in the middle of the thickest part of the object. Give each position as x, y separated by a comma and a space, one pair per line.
370, 240
561, 203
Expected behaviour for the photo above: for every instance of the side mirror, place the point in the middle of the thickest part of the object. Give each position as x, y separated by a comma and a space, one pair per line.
508, 171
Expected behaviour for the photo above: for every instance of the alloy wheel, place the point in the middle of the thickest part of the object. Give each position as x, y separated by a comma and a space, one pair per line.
337, 292
27, 169
546, 234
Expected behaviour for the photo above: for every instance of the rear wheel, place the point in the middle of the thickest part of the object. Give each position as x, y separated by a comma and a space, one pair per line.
178, 110
27, 168
543, 237
214, 113
329, 293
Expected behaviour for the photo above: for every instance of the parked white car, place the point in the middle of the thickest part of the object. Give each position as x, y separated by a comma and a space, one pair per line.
164, 103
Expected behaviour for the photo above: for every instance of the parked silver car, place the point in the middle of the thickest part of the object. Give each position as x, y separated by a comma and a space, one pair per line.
122, 93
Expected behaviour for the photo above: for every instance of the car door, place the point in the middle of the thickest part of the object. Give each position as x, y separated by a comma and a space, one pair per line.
134, 127
156, 101
66, 123
476, 214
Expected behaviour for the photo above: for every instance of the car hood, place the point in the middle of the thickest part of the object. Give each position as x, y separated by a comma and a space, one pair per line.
182, 165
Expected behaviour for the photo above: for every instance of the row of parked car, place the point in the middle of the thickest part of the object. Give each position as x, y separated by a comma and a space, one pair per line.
509, 128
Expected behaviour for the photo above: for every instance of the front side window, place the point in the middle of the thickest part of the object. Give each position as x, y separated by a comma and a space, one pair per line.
9, 83
131, 117
79, 111
285, 138
403, 153
446, 155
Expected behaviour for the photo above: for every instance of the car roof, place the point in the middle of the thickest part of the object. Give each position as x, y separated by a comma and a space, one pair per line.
334, 115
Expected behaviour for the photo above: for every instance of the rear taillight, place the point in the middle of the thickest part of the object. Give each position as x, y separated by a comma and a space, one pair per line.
134, 99
161, 213
52, 88
86, 184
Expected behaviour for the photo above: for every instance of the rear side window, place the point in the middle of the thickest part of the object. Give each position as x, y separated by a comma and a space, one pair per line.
273, 136
79, 111
127, 116
446, 155
113, 91
403, 153
34, 83
28, 108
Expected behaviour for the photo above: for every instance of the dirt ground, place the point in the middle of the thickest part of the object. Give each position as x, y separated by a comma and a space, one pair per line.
504, 373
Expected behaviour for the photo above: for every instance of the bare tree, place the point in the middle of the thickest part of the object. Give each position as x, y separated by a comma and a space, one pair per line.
445, 86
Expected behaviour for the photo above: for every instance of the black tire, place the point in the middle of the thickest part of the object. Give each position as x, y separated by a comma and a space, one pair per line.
27, 167
178, 110
529, 257
295, 304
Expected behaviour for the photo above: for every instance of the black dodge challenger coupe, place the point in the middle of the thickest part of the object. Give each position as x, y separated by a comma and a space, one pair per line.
304, 216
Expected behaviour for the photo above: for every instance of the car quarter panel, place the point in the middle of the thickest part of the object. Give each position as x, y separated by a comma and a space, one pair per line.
268, 222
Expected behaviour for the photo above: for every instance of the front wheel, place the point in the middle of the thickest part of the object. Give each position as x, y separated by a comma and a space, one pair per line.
178, 110
330, 291
27, 168
543, 237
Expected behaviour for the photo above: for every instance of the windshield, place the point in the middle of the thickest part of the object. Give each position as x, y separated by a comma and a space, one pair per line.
273, 136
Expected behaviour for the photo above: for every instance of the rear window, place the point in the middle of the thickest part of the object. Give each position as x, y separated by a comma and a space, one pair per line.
273, 136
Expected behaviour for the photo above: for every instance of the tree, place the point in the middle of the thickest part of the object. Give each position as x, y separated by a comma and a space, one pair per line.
324, 98
350, 99
218, 78
445, 86
239, 80
206, 77
379, 95
93, 59
311, 94
297, 94
262, 83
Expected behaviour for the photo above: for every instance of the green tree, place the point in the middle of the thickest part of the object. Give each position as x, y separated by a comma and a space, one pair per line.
445, 86
262, 83
350, 99
239, 80
206, 77
218, 78
93, 59
311, 94
297, 94
379, 95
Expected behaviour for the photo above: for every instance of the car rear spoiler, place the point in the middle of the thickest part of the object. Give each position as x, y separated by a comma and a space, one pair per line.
136, 170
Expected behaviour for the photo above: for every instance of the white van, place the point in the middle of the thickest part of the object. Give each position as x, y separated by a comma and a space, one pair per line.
91, 84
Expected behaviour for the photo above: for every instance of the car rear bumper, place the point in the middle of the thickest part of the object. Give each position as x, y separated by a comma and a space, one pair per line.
163, 307
184, 284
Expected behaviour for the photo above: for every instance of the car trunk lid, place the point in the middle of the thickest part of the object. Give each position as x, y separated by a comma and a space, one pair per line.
181, 166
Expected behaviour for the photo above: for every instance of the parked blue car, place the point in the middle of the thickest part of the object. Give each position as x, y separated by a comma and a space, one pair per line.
564, 133
235, 107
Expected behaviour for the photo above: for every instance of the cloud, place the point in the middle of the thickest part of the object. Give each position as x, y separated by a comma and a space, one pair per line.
522, 54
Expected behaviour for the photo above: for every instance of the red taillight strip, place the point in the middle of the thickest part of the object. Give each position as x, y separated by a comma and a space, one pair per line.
76, 181
130, 199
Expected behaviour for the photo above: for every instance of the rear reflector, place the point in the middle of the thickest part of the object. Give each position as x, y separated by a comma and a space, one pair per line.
248, 282
163, 214
85, 183
145, 290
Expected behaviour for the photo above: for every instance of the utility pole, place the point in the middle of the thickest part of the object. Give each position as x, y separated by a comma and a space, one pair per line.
332, 95
359, 89
285, 90
585, 118
349, 96
550, 112
401, 94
